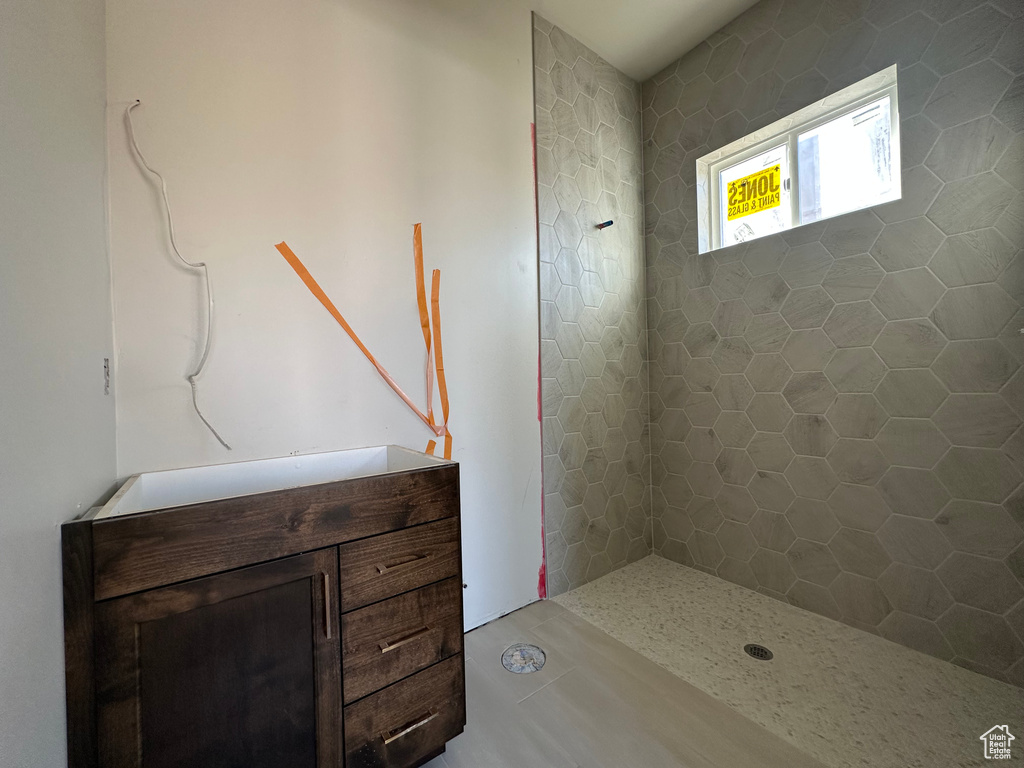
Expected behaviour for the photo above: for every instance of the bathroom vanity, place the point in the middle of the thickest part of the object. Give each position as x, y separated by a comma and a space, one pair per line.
302, 612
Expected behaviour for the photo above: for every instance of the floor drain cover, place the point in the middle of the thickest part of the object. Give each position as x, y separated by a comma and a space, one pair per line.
759, 652
523, 658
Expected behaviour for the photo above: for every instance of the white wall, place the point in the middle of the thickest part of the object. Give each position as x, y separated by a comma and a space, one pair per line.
641, 37
56, 425
334, 125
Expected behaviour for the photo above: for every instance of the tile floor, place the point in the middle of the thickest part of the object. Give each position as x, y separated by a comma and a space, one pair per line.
840, 695
833, 696
596, 703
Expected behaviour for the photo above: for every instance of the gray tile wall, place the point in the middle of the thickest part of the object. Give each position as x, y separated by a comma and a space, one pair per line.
593, 318
836, 411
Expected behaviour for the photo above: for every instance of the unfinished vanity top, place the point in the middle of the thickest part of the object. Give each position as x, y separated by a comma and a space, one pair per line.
178, 487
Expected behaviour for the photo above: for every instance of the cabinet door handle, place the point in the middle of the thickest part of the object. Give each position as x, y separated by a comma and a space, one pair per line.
413, 559
327, 604
390, 645
397, 733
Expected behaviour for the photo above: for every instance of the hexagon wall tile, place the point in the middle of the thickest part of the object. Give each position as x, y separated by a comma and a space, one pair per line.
845, 396
594, 327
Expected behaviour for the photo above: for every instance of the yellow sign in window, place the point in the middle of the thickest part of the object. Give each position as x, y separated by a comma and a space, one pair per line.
757, 192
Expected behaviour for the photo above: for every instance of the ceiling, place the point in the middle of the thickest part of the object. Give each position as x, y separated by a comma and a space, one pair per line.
640, 37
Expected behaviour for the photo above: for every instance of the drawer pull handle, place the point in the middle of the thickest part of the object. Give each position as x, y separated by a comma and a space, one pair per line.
413, 559
390, 645
390, 736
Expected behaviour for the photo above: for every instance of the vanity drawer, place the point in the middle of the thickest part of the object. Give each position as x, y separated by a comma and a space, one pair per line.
390, 640
409, 721
377, 568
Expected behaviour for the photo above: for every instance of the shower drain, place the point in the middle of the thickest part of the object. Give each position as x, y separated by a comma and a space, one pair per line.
759, 652
523, 658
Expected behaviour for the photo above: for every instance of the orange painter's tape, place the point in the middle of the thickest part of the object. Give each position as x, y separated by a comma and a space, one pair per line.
426, 418
442, 386
421, 301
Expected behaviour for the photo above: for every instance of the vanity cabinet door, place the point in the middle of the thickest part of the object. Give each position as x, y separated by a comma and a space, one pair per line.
239, 670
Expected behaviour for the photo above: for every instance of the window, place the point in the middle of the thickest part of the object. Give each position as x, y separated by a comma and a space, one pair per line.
836, 156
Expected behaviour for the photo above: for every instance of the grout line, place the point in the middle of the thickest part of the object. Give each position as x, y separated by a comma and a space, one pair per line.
549, 682
550, 618
647, 325
539, 623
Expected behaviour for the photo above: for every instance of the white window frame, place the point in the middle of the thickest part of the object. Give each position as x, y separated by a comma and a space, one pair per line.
786, 131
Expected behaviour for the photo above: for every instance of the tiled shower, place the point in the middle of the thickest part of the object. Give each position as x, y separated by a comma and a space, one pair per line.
831, 416
597, 502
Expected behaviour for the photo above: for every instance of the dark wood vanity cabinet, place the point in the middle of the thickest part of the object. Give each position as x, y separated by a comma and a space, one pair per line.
242, 668
338, 643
